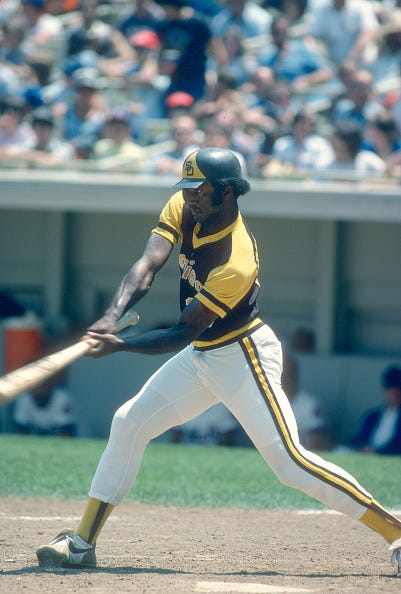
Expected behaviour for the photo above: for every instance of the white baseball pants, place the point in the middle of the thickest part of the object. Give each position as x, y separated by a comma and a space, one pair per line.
246, 377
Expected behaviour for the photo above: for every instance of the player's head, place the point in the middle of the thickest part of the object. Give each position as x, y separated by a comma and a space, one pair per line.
219, 166
391, 381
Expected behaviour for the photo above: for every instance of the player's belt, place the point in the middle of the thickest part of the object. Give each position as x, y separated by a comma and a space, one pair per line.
246, 330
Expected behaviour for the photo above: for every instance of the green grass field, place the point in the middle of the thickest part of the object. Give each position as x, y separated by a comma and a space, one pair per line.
177, 475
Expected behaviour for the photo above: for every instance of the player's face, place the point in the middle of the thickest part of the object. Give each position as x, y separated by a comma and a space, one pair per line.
201, 201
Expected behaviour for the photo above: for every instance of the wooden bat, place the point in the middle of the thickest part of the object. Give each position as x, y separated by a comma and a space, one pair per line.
31, 375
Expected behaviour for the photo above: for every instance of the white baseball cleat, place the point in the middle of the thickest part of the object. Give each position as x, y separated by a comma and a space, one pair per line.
67, 550
395, 550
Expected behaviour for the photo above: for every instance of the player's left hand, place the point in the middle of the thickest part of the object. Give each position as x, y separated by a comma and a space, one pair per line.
106, 344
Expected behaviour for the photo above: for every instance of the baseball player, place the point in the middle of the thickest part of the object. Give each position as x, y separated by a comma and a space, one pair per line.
225, 353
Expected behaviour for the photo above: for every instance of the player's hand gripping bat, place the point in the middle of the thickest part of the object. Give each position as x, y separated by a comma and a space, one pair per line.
31, 375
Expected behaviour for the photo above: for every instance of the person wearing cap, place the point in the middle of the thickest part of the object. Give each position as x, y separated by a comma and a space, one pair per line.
85, 113
379, 431
15, 130
139, 78
46, 149
116, 149
222, 351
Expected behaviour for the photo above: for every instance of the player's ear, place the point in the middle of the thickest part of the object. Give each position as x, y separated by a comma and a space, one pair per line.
227, 192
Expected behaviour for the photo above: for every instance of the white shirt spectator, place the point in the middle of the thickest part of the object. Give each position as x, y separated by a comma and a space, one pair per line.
364, 162
209, 427
314, 152
340, 29
308, 413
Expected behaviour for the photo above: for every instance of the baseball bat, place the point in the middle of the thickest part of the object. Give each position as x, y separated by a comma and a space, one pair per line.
31, 375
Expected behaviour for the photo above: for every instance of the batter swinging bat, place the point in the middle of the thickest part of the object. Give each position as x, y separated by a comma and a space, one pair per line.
31, 375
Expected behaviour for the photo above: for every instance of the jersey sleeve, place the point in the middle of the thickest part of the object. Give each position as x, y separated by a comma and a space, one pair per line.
170, 220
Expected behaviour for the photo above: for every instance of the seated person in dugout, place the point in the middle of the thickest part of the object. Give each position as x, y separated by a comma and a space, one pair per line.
224, 352
379, 431
47, 409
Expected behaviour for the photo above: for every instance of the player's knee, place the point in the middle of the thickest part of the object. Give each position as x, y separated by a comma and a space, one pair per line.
124, 423
131, 423
281, 463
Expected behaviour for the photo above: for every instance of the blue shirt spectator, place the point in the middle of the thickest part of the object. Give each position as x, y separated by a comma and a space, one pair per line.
251, 19
144, 15
380, 428
361, 104
293, 59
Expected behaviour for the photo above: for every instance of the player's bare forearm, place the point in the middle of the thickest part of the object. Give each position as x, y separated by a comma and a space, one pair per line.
137, 282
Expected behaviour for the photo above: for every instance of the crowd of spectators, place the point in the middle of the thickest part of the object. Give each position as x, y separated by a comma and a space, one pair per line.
304, 87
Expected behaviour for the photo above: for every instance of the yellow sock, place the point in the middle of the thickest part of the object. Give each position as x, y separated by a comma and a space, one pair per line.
381, 521
93, 519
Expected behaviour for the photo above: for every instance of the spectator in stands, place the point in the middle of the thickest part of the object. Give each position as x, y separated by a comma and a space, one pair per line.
383, 138
15, 71
8, 9
295, 11
185, 135
141, 84
302, 149
292, 59
344, 76
12, 34
47, 150
361, 103
385, 70
380, 429
185, 39
233, 57
261, 95
347, 29
116, 148
142, 15
85, 115
15, 131
179, 103
41, 27
251, 19
220, 135
222, 95
308, 411
349, 154
96, 40
46, 410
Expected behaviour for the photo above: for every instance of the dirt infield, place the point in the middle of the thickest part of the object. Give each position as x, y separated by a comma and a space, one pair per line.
158, 550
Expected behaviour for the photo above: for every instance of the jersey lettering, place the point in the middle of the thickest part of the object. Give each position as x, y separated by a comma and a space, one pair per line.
188, 272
